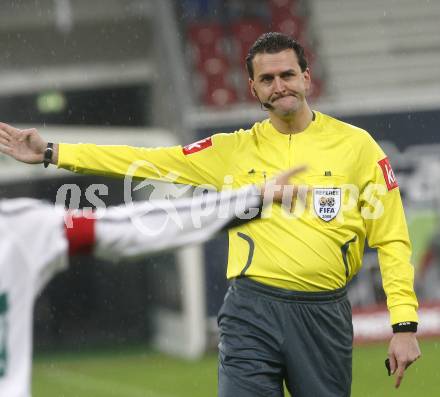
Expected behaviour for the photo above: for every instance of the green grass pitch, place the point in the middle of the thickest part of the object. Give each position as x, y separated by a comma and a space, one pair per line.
142, 373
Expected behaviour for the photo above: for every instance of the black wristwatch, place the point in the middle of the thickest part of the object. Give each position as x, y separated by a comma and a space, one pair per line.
48, 153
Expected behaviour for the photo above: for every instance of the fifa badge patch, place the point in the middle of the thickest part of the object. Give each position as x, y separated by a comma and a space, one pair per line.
327, 202
197, 146
388, 173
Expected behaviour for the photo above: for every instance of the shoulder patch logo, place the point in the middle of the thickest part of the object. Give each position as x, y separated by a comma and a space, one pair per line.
197, 146
388, 174
327, 202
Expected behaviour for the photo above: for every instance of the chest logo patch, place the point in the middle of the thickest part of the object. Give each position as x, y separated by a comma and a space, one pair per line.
327, 202
197, 146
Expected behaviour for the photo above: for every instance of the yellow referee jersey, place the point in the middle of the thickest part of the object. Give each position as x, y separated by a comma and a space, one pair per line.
355, 196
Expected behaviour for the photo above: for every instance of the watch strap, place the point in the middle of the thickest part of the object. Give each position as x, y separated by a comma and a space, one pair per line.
48, 154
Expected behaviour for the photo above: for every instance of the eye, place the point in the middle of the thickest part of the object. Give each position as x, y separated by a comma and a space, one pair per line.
287, 76
266, 79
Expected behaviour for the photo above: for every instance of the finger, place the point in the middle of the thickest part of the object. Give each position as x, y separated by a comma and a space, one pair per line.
29, 131
280, 186
8, 128
297, 170
283, 179
294, 198
393, 363
5, 135
294, 171
4, 141
399, 374
25, 134
5, 150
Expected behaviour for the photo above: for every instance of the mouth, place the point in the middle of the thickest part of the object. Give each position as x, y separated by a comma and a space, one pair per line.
282, 97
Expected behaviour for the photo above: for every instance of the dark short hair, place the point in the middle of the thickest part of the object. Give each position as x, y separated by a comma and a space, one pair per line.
272, 43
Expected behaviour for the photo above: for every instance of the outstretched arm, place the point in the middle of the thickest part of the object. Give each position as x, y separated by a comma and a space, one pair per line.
142, 228
203, 162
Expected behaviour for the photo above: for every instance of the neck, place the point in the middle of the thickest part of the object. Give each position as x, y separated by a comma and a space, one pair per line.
292, 124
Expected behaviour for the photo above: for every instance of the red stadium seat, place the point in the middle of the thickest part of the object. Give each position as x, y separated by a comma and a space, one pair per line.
216, 65
282, 8
214, 86
205, 41
218, 92
244, 33
205, 34
291, 25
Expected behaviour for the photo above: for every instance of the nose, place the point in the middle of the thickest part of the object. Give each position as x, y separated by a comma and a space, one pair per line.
279, 85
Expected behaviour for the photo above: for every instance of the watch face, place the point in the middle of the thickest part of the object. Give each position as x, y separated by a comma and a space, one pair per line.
48, 153
49, 150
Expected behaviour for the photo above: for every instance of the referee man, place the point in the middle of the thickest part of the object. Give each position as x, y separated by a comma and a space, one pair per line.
286, 317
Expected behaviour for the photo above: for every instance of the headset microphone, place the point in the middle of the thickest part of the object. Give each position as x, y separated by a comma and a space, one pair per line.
264, 105
267, 105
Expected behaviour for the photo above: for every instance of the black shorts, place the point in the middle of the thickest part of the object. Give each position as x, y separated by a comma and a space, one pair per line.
270, 335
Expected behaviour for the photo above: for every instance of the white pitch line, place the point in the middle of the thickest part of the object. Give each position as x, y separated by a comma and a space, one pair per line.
87, 383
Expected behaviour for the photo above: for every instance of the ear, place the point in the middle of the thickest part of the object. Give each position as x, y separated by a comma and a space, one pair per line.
307, 79
252, 88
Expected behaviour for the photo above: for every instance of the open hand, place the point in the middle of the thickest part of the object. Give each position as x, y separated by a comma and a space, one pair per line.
26, 146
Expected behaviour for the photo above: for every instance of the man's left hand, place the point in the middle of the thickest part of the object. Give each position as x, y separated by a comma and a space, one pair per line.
402, 352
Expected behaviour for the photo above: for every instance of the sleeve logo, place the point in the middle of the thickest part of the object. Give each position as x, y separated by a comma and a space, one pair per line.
197, 146
388, 173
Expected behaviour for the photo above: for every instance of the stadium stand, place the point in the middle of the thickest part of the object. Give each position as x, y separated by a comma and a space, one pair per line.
224, 37
379, 57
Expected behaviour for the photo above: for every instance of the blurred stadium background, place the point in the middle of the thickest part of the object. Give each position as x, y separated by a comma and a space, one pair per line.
161, 72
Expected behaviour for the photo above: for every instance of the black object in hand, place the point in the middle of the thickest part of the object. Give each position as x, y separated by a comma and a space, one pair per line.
387, 365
